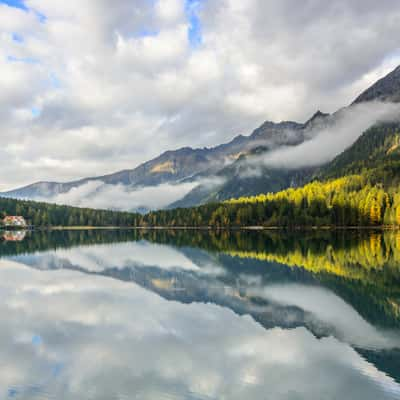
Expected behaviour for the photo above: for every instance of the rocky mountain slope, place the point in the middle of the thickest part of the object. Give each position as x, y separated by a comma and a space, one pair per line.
385, 89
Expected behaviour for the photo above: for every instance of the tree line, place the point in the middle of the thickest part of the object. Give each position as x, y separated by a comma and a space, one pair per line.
44, 214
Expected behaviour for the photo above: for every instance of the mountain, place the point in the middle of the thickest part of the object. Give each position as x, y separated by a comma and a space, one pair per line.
359, 188
180, 165
243, 178
239, 183
237, 180
223, 172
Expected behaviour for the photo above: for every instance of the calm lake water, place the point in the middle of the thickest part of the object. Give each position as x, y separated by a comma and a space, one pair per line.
199, 315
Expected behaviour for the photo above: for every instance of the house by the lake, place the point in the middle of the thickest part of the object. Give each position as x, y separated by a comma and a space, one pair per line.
14, 220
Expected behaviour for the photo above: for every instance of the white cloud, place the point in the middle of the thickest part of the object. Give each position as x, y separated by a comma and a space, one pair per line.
96, 194
121, 255
132, 255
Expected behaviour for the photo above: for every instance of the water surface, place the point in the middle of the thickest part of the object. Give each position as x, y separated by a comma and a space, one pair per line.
199, 315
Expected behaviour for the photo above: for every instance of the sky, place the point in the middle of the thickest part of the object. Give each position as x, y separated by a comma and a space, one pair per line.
89, 88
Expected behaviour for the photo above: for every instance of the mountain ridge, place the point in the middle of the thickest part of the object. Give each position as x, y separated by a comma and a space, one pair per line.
384, 89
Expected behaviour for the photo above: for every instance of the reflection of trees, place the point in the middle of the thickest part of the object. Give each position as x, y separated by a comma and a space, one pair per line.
367, 254
50, 240
351, 254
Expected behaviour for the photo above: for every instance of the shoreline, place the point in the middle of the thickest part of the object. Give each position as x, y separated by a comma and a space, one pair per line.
209, 228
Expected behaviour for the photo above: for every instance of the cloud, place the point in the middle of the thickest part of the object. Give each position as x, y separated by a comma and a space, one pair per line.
118, 255
207, 72
132, 255
324, 143
96, 194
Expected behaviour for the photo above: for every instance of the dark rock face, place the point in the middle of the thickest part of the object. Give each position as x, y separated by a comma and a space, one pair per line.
386, 89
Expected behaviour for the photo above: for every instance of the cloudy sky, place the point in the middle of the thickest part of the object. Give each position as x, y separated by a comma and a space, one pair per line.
90, 87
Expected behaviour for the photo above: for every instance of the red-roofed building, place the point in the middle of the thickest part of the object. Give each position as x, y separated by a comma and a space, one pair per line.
13, 220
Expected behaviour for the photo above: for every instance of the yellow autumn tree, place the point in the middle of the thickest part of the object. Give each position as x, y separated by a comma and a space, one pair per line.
375, 213
398, 215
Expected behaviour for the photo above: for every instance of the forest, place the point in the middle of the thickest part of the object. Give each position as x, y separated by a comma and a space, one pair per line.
45, 214
356, 200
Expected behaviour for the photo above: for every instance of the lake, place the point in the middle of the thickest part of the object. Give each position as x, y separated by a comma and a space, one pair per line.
199, 315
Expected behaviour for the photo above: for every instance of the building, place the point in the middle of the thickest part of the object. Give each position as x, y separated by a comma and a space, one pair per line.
13, 220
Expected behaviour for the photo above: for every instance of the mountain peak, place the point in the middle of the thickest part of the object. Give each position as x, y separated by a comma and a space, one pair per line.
318, 114
385, 89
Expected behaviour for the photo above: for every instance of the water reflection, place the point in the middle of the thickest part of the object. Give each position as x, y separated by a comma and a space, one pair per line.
169, 315
14, 236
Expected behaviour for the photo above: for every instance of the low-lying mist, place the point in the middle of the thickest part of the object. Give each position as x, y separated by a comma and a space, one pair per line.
96, 194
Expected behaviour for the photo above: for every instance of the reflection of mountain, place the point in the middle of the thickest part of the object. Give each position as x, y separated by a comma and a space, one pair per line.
358, 266
280, 280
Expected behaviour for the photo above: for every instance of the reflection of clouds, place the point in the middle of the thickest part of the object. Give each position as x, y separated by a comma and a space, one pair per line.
119, 255
332, 310
69, 335
99, 258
